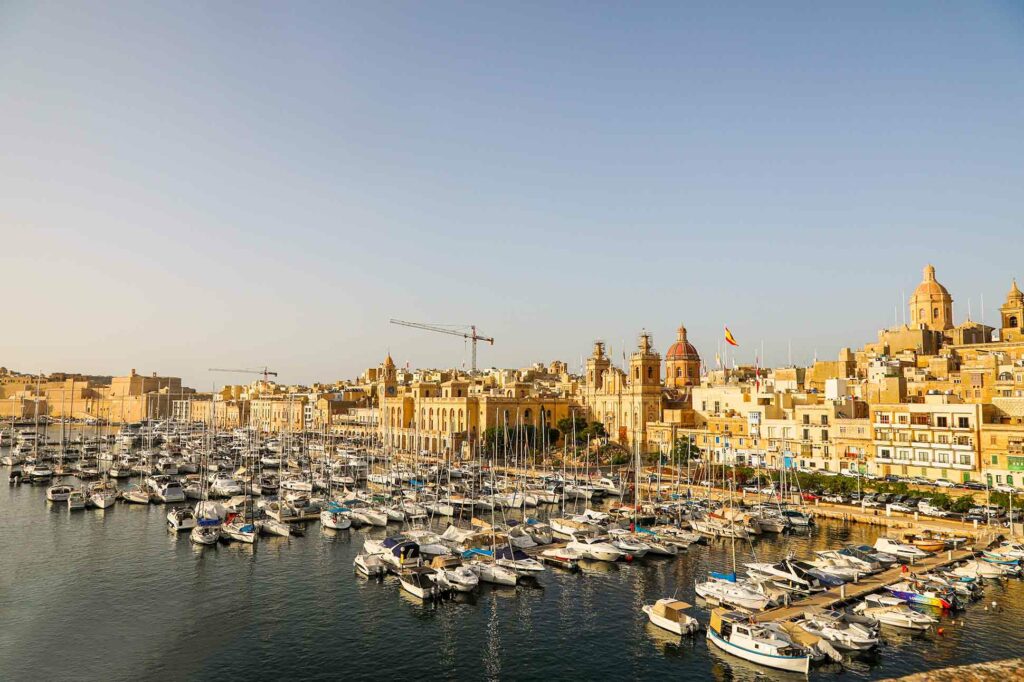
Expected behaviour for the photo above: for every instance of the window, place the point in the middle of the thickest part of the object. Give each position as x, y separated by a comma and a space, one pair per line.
942, 422
824, 420
824, 434
942, 457
807, 434
995, 460
963, 422
883, 419
807, 419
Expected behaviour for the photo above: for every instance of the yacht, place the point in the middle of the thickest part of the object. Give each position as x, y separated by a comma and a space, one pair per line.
787, 574
725, 590
895, 613
596, 548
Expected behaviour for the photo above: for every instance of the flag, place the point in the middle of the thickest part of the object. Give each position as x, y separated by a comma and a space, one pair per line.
729, 338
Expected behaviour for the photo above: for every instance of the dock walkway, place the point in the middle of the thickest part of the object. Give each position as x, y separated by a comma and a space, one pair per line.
868, 585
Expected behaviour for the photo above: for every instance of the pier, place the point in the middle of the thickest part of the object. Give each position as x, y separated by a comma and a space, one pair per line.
838, 596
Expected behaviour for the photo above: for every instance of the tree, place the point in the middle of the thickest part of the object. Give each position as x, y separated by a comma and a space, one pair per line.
684, 450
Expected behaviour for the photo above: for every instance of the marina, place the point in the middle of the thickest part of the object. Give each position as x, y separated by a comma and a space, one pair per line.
499, 599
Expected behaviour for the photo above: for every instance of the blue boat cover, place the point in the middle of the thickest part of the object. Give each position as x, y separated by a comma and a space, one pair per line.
476, 551
731, 577
209, 522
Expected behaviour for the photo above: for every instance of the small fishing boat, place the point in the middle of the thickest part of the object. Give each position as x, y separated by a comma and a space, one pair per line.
668, 614
76, 500
58, 493
735, 633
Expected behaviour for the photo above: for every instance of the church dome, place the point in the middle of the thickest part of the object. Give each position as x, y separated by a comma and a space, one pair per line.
682, 349
930, 286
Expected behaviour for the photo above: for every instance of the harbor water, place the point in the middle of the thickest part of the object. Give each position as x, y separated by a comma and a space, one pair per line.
113, 595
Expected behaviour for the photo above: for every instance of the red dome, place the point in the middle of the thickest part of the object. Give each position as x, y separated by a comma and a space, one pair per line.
682, 349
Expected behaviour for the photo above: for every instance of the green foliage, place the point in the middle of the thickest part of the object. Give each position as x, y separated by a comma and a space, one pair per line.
962, 504
584, 431
684, 450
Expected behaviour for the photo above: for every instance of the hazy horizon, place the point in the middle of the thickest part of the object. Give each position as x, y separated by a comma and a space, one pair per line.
187, 186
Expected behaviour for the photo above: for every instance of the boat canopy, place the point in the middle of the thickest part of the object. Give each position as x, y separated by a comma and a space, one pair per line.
728, 577
673, 611
510, 553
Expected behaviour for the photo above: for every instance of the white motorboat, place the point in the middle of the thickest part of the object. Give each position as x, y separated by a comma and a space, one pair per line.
730, 593
895, 613
668, 614
370, 516
420, 581
837, 630
459, 578
39, 472
735, 633
225, 486
370, 565
901, 550
596, 548
59, 493
539, 532
181, 519
979, 569
170, 492
628, 543
76, 500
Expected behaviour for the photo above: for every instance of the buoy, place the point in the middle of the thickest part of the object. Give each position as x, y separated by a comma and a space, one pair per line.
629, 557
941, 631
994, 604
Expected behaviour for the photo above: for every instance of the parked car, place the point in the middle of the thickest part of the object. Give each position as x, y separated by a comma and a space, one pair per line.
900, 507
920, 480
835, 498
891, 478
944, 483
1004, 488
869, 501
974, 485
809, 497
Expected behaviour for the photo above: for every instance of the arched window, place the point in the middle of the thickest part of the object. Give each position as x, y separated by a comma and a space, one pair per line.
679, 372
636, 373
650, 372
1013, 321
935, 313
920, 314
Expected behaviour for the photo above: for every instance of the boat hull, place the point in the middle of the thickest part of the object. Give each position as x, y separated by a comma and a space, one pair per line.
796, 664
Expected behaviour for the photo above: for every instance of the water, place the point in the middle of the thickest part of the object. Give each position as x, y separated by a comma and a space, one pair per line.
113, 595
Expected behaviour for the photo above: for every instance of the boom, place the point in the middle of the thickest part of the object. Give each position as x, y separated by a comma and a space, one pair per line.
453, 331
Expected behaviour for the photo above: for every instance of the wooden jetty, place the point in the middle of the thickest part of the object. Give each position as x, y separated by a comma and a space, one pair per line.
844, 593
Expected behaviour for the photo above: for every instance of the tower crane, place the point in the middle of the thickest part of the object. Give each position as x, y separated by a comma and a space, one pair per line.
453, 330
264, 371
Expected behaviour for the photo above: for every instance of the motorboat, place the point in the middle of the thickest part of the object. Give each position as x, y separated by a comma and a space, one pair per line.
723, 589
669, 614
538, 531
597, 548
39, 472
901, 550
369, 516
870, 554
170, 492
919, 593
628, 542
562, 557
843, 558
839, 630
224, 486
58, 493
979, 569
420, 581
517, 560
370, 565
735, 633
76, 500
181, 519
452, 575
788, 574
894, 613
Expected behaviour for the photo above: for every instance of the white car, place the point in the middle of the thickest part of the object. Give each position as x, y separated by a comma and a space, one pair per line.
944, 483
900, 507
1004, 488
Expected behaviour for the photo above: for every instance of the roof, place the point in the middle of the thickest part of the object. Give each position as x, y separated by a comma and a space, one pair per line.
682, 349
929, 286
1015, 295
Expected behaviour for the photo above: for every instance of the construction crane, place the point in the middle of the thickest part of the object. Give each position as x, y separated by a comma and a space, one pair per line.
265, 372
454, 330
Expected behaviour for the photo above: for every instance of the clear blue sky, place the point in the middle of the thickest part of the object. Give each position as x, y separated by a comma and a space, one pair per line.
186, 185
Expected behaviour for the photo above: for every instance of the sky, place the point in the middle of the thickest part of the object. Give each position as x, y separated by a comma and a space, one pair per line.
188, 185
